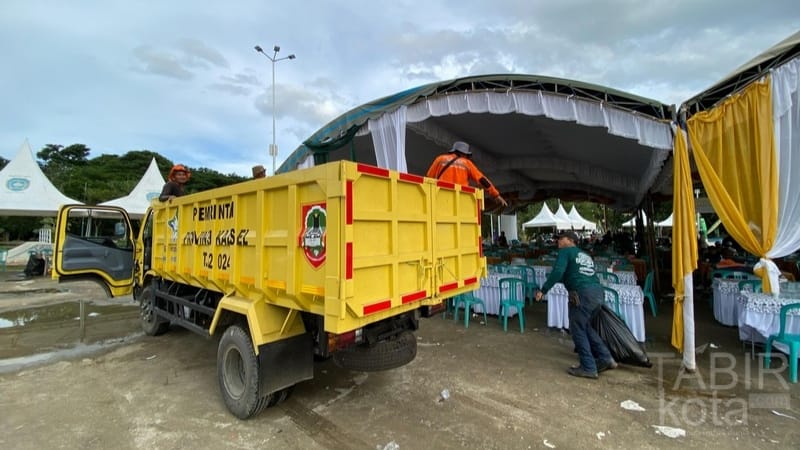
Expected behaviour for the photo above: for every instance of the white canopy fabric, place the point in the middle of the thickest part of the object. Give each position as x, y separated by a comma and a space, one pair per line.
545, 218
148, 188
579, 222
665, 223
25, 189
561, 214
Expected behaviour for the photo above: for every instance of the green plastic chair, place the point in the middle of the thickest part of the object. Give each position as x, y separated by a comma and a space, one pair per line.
792, 340
648, 292
510, 289
610, 293
608, 277
755, 285
528, 275
468, 299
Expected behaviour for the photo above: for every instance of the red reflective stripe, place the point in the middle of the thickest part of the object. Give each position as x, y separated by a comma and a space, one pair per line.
478, 207
472, 280
480, 247
411, 178
413, 296
348, 263
445, 184
375, 307
469, 189
372, 170
349, 201
448, 287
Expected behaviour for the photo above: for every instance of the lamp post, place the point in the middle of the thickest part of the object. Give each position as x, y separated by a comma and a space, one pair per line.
273, 148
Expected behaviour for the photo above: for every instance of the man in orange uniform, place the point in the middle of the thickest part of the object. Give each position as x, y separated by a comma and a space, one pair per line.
455, 167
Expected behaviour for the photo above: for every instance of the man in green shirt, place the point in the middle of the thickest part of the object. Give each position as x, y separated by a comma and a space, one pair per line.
575, 268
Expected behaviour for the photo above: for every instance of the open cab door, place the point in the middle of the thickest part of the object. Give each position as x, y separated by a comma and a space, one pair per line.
95, 243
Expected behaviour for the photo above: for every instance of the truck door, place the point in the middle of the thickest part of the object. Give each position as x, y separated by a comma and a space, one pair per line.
95, 243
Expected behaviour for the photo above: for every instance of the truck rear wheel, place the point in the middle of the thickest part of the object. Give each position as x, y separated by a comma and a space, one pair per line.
237, 370
152, 324
385, 355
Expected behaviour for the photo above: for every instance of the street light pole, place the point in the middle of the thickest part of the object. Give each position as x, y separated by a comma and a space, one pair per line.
273, 148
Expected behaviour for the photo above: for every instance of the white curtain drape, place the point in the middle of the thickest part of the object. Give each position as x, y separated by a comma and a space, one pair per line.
645, 130
786, 120
389, 139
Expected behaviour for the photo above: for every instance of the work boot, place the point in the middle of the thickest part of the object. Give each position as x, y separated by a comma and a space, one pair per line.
608, 365
581, 372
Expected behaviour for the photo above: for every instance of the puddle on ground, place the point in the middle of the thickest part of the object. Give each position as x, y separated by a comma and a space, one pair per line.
50, 314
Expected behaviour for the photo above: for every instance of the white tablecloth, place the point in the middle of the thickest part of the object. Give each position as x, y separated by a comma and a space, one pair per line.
760, 317
557, 312
631, 301
489, 292
726, 309
626, 276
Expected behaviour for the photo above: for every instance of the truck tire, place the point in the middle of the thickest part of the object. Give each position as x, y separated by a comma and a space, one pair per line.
280, 396
152, 324
237, 370
385, 355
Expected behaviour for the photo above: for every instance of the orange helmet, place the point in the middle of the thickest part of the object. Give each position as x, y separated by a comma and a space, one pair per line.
179, 168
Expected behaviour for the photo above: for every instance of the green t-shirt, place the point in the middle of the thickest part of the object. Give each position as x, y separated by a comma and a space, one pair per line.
574, 268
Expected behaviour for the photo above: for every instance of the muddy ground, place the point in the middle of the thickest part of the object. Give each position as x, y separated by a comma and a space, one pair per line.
119, 389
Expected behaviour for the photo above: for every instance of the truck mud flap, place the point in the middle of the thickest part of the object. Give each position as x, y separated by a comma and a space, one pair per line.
385, 355
286, 362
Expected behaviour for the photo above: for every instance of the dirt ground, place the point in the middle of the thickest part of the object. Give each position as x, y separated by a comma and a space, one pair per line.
120, 389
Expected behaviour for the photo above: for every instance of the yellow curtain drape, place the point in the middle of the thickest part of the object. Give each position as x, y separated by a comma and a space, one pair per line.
684, 234
733, 146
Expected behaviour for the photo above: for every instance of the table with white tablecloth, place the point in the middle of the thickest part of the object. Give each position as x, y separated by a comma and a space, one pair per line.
489, 292
631, 301
726, 309
759, 316
625, 276
631, 306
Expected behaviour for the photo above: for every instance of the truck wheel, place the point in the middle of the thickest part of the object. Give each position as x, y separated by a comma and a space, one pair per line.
280, 396
237, 370
385, 355
152, 324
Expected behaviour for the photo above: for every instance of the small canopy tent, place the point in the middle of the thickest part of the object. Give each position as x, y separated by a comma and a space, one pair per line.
666, 223
579, 222
148, 188
546, 219
25, 189
561, 215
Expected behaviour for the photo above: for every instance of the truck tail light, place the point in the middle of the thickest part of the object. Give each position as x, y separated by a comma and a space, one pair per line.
344, 340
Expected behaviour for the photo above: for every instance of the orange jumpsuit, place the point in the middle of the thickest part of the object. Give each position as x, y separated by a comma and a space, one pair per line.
460, 172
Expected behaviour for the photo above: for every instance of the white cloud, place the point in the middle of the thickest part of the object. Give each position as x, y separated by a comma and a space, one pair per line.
182, 78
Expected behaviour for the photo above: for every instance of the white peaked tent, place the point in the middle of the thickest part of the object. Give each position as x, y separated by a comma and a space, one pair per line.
25, 190
545, 218
665, 223
561, 214
148, 188
579, 222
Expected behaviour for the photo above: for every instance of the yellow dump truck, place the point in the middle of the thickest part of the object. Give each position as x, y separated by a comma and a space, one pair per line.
332, 261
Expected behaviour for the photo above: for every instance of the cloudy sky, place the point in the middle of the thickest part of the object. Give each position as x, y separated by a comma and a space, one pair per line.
182, 78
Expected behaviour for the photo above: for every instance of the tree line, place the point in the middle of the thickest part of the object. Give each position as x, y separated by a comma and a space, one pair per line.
100, 179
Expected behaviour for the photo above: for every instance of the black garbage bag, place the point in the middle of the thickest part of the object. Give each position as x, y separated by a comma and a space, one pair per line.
35, 266
619, 339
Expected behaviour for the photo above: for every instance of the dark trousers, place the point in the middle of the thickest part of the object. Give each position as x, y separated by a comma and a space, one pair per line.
587, 342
